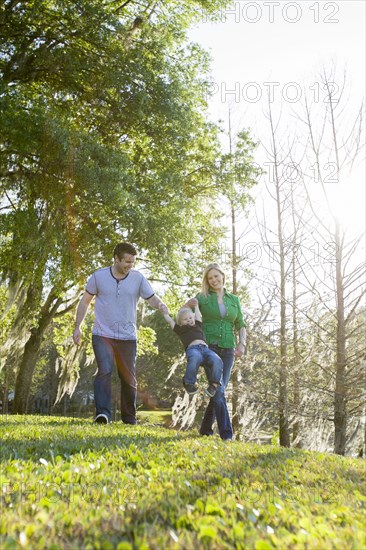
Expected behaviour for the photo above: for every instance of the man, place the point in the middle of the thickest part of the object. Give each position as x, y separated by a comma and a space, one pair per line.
117, 290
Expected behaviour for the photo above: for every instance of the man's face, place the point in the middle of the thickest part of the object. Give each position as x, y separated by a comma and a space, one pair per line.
124, 266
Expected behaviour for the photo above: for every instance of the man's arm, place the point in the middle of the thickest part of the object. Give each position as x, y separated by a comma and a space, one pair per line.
155, 302
80, 315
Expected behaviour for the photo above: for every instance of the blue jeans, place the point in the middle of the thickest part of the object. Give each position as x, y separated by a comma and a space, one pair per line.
200, 354
122, 353
217, 407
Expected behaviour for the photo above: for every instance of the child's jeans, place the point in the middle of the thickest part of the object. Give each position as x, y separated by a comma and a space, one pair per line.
200, 354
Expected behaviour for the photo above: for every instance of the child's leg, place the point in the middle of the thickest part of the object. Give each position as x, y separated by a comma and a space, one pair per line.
194, 360
215, 367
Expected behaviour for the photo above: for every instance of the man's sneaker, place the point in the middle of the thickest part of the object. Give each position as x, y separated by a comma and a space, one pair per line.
101, 419
211, 390
191, 389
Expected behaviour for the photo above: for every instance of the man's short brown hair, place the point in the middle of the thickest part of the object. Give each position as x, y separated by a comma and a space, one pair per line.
124, 248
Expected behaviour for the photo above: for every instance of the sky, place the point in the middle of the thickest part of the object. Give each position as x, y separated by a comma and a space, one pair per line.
282, 47
281, 42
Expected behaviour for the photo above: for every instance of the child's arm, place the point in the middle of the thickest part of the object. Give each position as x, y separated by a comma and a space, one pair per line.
197, 313
164, 311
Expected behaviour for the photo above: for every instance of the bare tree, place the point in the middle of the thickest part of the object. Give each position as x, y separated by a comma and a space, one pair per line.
279, 193
238, 174
333, 146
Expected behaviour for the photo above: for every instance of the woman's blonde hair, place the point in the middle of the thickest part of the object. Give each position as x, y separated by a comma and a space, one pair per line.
181, 312
205, 286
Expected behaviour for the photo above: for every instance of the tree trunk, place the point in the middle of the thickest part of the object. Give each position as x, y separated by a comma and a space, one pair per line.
5, 392
31, 353
282, 394
26, 369
295, 336
235, 374
340, 398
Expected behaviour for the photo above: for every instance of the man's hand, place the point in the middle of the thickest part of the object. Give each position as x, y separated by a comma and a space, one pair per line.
76, 336
80, 316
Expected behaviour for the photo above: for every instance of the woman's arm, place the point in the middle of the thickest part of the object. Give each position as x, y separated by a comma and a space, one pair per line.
243, 336
240, 348
241, 328
197, 313
192, 302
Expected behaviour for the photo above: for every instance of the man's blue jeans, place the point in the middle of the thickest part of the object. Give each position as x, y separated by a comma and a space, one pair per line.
122, 353
200, 354
217, 407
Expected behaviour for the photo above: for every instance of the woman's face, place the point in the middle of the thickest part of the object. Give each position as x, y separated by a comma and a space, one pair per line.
215, 279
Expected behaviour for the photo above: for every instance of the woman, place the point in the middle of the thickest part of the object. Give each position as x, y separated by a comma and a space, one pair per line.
221, 316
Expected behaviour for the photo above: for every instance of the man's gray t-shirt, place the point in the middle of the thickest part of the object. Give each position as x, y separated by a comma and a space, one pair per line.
116, 302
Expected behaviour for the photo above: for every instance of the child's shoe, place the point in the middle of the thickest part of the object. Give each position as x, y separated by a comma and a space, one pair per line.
191, 389
211, 390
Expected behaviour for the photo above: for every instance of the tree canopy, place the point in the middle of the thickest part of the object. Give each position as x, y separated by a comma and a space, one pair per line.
104, 139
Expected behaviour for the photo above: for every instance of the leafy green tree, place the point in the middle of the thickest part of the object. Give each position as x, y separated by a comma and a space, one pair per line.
238, 174
105, 138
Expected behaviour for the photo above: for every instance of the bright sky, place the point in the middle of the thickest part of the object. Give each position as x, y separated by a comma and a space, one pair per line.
282, 51
285, 44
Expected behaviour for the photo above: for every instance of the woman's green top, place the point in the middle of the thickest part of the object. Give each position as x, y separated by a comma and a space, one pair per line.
220, 330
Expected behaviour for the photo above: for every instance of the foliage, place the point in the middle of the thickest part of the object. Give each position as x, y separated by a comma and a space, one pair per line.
7, 313
146, 338
69, 483
104, 139
153, 370
100, 140
238, 171
311, 376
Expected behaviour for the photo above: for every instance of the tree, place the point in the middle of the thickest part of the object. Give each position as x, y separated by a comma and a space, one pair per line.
320, 275
276, 157
337, 146
104, 139
238, 174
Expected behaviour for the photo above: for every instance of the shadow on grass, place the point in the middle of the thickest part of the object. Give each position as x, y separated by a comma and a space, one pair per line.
27, 437
290, 464
31, 437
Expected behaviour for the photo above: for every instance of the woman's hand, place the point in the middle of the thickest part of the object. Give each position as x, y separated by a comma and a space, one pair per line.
192, 302
239, 350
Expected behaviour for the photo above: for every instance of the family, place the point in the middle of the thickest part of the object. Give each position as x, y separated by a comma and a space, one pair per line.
206, 325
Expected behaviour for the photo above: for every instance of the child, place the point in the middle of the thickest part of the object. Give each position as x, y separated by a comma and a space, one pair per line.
189, 329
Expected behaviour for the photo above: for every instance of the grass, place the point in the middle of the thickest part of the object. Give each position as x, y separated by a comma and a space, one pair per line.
68, 484
158, 417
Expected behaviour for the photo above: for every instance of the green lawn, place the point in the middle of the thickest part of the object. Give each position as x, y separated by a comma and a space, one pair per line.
68, 484
161, 417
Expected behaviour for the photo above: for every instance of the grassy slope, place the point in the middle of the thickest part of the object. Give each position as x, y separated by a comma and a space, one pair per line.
67, 484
